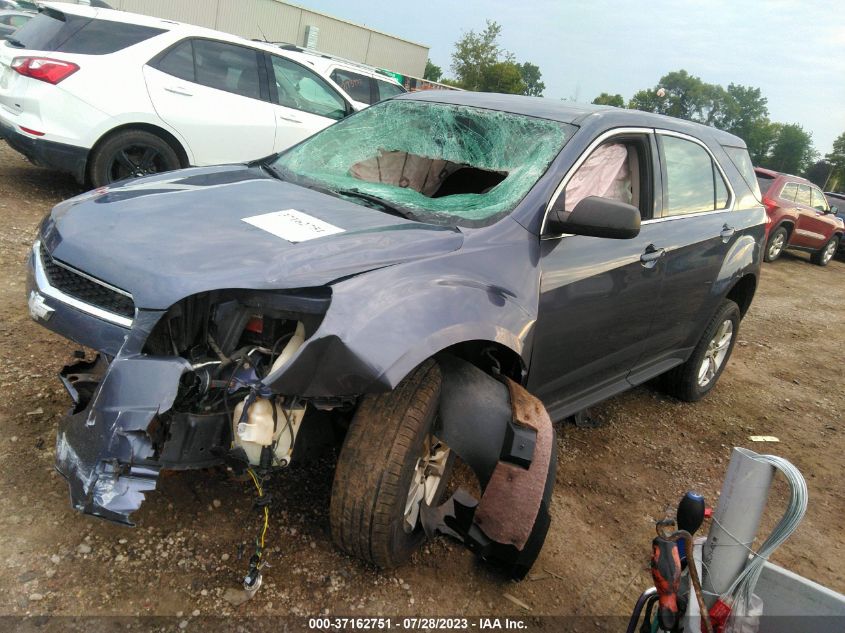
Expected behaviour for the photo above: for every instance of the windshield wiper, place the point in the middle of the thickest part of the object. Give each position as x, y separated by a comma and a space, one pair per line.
381, 202
276, 173
15, 42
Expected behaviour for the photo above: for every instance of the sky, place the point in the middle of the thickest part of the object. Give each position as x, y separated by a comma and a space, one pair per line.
793, 50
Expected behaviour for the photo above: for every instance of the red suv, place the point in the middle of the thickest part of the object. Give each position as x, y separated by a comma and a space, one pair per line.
799, 217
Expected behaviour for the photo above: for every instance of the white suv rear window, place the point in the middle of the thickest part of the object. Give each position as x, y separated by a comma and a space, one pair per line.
59, 32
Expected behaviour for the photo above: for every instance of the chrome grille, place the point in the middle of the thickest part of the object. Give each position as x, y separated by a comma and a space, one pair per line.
86, 289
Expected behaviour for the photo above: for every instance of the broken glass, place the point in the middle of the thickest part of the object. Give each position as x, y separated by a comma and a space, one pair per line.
453, 161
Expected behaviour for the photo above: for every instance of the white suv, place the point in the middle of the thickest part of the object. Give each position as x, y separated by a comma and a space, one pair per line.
362, 85
107, 95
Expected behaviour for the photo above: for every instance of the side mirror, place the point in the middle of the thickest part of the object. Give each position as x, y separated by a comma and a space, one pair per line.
833, 209
595, 217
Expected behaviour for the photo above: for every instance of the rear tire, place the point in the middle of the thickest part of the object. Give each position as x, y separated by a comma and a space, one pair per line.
776, 244
377, 466
130, 154
693, 380
823, 257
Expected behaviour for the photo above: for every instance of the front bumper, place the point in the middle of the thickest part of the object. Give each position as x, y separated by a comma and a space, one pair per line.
44, 153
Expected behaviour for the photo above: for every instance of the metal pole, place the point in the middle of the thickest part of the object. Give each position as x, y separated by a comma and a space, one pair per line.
735, 521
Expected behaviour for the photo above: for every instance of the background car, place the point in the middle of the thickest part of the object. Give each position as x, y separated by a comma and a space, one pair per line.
11, 21
187, 95
363, 85
837, 200
799, 217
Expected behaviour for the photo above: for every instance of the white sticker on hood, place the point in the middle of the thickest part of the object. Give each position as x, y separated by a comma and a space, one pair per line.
292, 225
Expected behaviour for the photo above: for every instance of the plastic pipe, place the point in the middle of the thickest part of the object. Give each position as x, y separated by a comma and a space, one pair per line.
735, 521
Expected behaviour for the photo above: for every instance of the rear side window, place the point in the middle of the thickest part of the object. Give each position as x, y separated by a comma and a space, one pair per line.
227, 67
693, 183
357, 86
742, 161
59, 32
387, 89
765, 182
179, 62
789, 191
804, 196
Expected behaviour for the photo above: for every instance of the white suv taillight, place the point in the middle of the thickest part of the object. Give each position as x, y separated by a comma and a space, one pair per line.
44, 69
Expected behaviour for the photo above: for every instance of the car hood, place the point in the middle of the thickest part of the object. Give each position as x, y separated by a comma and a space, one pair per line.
169, 236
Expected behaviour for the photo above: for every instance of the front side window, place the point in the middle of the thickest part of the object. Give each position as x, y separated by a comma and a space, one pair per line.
804, 196
819, 203
357, 86
609, 172
454, 165
693, 182
387, 89
301, 89
227, 67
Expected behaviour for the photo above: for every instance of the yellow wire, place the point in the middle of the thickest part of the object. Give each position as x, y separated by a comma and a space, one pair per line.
266, 510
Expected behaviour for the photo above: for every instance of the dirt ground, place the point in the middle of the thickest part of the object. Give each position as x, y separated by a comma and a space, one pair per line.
785, 379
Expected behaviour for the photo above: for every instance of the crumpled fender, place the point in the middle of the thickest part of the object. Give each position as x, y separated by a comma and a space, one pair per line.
382, 324
506, 436
102, 445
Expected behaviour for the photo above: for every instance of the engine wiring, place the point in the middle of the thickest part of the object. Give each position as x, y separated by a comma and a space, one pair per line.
252, 579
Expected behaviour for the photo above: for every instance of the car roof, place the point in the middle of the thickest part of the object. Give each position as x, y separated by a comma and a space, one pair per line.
574, 113
771, 173
323, 62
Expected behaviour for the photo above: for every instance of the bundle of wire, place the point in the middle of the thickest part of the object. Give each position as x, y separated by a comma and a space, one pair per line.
739, 595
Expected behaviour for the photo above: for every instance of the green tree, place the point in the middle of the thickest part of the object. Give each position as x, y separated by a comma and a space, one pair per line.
610, 100
684, 96
792, 151
479, 63
837, 160
432, 71
502, 77
531, 76
473, 53
819, 173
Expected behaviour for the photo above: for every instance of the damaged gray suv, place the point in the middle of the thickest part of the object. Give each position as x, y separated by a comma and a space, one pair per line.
443, 274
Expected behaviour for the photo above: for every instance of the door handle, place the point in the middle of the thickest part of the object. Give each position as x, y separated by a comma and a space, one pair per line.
180, 91
651, 255
727, 233
292, 119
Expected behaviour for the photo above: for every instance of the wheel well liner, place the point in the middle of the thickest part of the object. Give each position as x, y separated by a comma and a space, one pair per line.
742, 292
486, 355
163, 134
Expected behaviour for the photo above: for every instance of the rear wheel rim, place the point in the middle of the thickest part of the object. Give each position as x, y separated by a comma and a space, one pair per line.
829, 250
717, 351
136, 160
428, 473
776, 246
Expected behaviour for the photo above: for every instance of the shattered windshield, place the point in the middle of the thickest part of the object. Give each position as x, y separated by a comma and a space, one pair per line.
445, 162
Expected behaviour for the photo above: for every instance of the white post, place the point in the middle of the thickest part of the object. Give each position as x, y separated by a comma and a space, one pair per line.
735, 521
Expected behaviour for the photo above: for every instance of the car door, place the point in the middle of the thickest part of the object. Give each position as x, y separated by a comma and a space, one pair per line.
695, 231
303, 102
215, 94
810, 231
597, 296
